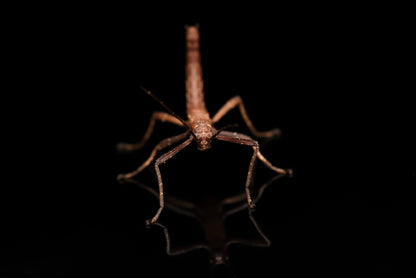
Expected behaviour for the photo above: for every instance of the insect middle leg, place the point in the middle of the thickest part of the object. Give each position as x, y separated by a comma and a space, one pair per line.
237, 101
156, 116
162, 145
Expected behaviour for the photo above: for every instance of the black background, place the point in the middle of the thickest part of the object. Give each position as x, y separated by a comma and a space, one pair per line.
333, 82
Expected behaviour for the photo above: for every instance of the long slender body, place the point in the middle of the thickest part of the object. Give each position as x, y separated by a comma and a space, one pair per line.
199, 125
195, 103
198, 117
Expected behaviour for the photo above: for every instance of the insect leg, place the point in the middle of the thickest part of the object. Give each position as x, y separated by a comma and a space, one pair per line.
162, 159
162, 145
272, 167
237, 101
241, 197
175, 204
156, 116
242, 139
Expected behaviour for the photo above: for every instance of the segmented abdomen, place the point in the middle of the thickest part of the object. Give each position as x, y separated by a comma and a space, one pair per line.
194, 83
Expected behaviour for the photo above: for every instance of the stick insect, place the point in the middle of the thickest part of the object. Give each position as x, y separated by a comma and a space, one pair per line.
199, 126
212, 214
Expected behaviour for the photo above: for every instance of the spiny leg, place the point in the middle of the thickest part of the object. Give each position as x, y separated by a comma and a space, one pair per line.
237, 101
162, 159
272, 167
156, 116
162, 145
242, 139
237, 138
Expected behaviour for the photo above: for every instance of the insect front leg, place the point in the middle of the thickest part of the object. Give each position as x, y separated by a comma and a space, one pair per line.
162, 159
242, 139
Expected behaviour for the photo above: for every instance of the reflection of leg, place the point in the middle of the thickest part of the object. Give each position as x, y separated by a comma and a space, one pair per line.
242, 197
265, 238
163, 144
157, 116
264, 242
159, 161
237, 101
178, 251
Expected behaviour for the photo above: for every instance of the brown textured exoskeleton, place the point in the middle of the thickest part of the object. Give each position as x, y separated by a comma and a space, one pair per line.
199, 125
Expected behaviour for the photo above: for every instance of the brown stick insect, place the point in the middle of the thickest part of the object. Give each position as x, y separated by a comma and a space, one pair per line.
199, 126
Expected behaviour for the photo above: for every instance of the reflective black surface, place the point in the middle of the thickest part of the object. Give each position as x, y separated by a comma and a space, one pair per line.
332, 83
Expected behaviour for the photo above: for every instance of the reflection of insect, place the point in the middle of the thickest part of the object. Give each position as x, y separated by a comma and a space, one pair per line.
199, 125
212, 214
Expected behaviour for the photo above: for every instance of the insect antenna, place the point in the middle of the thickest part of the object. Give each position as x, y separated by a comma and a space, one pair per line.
170, 111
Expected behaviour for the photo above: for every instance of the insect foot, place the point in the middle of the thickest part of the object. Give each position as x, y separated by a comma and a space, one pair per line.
150, 222
122, 147
289, 172
121, 177
276, 132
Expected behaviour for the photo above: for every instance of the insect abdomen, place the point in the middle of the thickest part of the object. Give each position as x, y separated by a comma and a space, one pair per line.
194, 82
